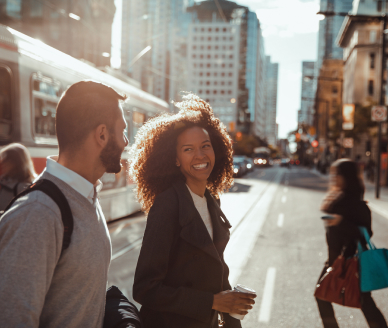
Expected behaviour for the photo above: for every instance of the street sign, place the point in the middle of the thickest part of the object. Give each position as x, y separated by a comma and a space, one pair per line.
348, 143
379, 113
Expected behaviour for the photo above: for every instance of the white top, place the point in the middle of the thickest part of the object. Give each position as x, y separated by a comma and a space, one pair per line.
201, 206
74, 180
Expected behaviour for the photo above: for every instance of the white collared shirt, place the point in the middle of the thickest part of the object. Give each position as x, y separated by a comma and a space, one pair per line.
74, 180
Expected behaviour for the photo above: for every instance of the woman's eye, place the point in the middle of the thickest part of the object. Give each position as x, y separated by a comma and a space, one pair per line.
186, 149
207, 145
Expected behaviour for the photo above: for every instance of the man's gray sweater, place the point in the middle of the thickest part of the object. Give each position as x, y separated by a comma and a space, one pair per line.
38, 288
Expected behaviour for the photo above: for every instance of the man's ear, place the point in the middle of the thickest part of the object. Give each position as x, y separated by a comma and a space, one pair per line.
101, 135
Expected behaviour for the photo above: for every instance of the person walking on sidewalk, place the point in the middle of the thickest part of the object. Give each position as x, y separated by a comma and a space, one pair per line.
181, 164
345, 201
17, 172
39, 286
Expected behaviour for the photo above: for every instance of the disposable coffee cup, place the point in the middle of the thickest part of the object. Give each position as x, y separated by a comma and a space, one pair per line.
241, 289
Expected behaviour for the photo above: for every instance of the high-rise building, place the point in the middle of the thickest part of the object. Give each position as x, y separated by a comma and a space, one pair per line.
81, 29
234, 49
306, 114
272, 74
153, 44
213, 70
329, 28
256, 76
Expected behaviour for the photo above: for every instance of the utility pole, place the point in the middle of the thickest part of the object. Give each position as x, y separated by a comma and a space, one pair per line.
382, 103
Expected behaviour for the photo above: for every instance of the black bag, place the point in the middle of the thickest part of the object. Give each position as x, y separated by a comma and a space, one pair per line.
119, 312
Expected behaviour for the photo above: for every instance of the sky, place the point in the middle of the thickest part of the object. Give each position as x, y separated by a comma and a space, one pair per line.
290, 30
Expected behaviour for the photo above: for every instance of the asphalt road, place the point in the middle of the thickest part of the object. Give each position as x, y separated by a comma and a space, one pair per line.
277, 247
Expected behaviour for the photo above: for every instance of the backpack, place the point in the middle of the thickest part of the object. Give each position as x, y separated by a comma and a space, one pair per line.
51, 190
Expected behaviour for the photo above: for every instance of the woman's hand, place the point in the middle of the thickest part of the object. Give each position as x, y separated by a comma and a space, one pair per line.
333, 222
230, 301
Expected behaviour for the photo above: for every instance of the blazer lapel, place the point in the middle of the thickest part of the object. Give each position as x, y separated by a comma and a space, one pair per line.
221, 225
193, 228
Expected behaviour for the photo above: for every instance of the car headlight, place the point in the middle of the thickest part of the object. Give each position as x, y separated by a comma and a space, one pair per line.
235, 170
260, 161
264, 161
249, 166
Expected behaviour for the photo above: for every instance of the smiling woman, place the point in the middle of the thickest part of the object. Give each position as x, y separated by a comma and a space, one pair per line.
181, 163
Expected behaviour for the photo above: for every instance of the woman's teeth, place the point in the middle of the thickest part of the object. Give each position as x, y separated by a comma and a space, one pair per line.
200, 166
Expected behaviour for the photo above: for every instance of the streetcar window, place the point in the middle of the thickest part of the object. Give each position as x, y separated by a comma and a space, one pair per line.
44, 117
5, 103
46, 93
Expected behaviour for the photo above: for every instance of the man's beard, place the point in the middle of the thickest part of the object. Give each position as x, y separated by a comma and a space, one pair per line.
111, 156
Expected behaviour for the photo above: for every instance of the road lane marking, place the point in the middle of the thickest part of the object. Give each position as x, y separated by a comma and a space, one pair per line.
266, 302
128, 248
284, 199
285, 189
378, 209
280, 220
244, 236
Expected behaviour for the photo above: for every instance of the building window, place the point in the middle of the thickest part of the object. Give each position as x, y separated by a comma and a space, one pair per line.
208, 74
202, 29
223, 65
215, 83
222, 82
200, 73
194, 47
200, 82
231, 47
209, 38
230, 74
194, 56
217, 29
195, 65
14, 8
229, 92
209, 56
201, 47
195, 38
222, 92
207, 92
370, 88
209, 47
210, 29
230, 83
224, 29
379, 5
334, 90
230, 65
208, 65
200, 65
372, 36
216, 47
201, 56
215, 92
230, 56
5, 102
207, 82
372, 60
215, 74
231, 38
222, 74
216, 38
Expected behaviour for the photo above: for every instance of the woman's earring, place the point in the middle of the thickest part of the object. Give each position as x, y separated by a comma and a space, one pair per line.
177, 164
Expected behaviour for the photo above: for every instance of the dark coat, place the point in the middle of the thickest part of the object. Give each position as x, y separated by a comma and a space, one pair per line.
346, 234
180, 268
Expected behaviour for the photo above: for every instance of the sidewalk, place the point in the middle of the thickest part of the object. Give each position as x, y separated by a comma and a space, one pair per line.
380, 206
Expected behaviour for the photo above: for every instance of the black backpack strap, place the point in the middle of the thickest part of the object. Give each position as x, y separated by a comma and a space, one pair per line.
51, 190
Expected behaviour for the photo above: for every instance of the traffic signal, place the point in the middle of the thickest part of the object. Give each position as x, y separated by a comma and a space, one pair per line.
314, 143
239, 136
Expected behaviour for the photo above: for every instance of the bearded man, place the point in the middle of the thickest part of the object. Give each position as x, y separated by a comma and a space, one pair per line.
40, 285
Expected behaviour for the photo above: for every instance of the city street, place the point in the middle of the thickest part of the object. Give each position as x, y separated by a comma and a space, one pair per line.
277, 247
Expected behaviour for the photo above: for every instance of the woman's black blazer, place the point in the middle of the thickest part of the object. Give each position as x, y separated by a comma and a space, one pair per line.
180, 268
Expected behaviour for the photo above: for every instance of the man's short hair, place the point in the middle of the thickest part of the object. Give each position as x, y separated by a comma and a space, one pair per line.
82, 107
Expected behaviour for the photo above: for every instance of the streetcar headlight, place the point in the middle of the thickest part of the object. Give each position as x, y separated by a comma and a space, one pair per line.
264, 161
260, 161
235, 170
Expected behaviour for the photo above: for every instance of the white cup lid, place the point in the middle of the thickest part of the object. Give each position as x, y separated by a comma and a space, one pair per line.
244, 289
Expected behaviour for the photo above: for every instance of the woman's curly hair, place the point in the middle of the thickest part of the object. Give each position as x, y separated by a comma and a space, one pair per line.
153, 155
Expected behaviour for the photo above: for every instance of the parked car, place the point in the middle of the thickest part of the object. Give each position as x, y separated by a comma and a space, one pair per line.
237, 170
242, 160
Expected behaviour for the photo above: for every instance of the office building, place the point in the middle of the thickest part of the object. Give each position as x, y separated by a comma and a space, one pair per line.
272, 74
306, 114
230, 38
153, 45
